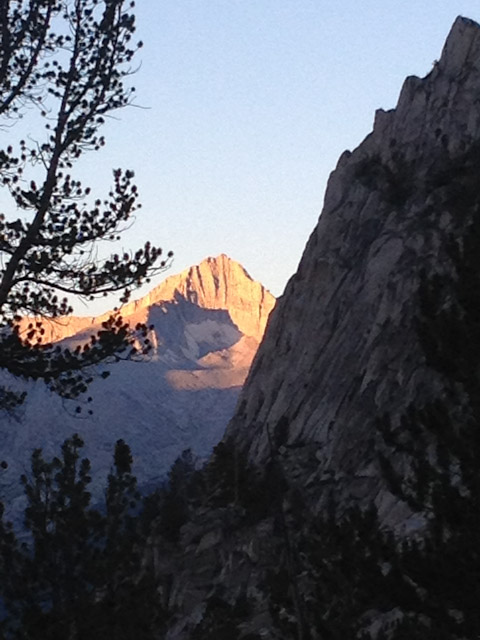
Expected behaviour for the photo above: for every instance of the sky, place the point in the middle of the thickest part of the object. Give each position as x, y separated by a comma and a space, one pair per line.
243, 108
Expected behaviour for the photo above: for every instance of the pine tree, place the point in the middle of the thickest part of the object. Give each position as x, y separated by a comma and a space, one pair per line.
177, 496
64, 62
81, 573
121, 553
48, 583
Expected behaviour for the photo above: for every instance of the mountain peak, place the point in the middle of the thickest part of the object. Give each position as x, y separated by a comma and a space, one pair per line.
219, 283
462, 46
205, 325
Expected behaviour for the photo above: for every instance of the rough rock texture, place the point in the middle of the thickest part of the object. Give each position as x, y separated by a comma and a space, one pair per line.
181, 396
341, 348
215, 283
221, 283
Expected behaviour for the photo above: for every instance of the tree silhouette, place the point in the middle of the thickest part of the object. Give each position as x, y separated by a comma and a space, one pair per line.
63, 63
48, 581
80, 572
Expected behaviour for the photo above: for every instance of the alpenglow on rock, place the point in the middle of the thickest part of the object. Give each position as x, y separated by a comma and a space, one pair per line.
342, 348
215, 283
208, 322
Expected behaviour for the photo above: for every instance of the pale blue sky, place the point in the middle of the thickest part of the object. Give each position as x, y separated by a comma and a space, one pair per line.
247, 105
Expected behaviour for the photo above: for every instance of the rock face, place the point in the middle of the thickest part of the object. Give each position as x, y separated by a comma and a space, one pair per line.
181, 396
215, 283
221, 283
341, 348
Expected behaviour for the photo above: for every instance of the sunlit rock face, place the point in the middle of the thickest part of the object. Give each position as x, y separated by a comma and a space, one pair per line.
221, 283
208, 322
342, 349
216, 283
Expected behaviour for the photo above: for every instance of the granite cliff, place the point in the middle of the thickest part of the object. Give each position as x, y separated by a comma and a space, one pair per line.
307, 546
342, 348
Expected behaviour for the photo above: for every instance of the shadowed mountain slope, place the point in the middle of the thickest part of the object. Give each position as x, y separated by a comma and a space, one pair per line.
208, 322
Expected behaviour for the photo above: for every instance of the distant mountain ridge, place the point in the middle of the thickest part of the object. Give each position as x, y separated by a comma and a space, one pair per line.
216, 283
208, 322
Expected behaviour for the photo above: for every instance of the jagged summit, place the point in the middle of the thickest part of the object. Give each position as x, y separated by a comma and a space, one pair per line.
430, 113
342, 348
461, 47
216, 283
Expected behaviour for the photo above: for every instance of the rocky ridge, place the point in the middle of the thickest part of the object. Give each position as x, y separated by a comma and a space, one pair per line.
215, 283
342, 349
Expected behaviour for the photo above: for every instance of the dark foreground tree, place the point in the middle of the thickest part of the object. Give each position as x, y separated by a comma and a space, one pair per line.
82, 572
63, 65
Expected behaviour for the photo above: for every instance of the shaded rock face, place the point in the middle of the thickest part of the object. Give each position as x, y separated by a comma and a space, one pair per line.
181, 396
341, 349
